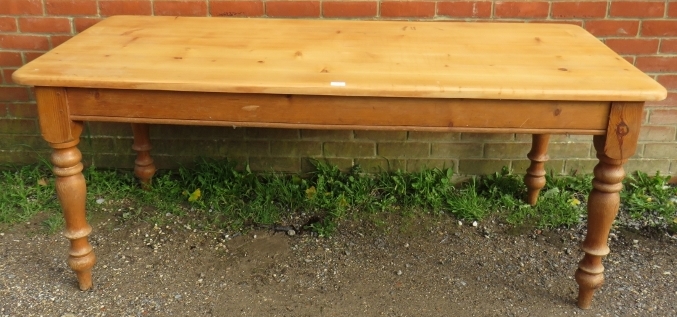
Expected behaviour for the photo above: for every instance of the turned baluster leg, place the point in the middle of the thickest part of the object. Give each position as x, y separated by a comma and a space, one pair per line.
63, 135
603, 206
535, 177
144, 168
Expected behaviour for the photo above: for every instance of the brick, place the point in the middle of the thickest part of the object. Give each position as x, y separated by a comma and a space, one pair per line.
123, 161
464, 9
277, 164
414, 166
180, 8
7, 24
481, 167
265, 133
670, 101
523, 137
236, 8
244, 148
349, 149
660, 150
381, 135
669, 46
672, 9
14, 94
612, 27
637, 9
578, 10
167, 131
57, 40
647, 166
659, 28
18, 126
555, 166
433, 136
657, 64
44, 25
483, 137
579, 166
521, 9
296, 148
629, 59
327, 135
24, 42
30, 56
7, 75
10, 59
569, 150
407, 9
71, 7
21, 7
20, 142
456, 150
293, 9
377, 165
349, 9
668, 81
343, 164
22, 110
82, 24
506, 150
404, 149
572, 22
633, 46
124, 7
114, 129
657, 133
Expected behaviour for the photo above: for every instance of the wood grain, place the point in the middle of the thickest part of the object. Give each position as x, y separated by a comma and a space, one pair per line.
343, 58
289, 111
625, 120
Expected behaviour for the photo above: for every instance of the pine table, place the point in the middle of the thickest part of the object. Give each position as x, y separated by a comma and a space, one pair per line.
539, 79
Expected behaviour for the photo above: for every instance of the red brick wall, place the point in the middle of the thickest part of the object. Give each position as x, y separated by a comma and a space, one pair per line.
644, 32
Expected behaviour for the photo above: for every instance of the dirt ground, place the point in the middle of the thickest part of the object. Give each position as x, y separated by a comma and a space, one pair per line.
421, 266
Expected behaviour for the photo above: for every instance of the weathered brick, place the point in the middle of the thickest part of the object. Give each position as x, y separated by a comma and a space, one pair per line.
6, 75
404, 149
23, 157
657, 133
381, 135
180, 8
633, 46
21, 142
18, 126
433, 136
481, 167
44, 25
523, 137
21, 7
580, 166
647, 166
244, 148
82, 24
10, 59
22, 110
236, 8
343, 164
267, 133
408, 9
663, 116
30, 56
637, 9
293, 9
487, 137
656, 64
668, 81
464, 9
327, 135
555, 166
14, 94
124, 7
275, 164
660, 150
103, 145
669, 46
24, 42
57, 40
569, 150
417, 165
349, 149
531, 9
196, 132
296, 148
456, 150
113, 129
672, 9
506, 150
669, 101
659, 28
71, 7
349, 9
578, 9
612, 27
8, 24
122, 161
379, 164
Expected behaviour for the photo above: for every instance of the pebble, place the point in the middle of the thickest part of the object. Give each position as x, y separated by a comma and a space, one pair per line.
100, 201
399, 272
291, 232
474, 223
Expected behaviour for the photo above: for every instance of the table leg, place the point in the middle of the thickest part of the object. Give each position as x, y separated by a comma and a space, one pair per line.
603, 204
535, 177
144, 168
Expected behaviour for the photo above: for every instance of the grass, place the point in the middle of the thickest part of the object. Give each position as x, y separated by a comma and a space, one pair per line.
216, 194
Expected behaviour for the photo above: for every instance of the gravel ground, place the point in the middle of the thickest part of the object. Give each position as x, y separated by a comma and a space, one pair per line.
421, 266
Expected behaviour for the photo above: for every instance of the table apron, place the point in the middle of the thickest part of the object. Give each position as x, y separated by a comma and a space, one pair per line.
338, 112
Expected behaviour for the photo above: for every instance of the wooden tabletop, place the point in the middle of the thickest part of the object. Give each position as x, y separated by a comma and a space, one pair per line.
345, 58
